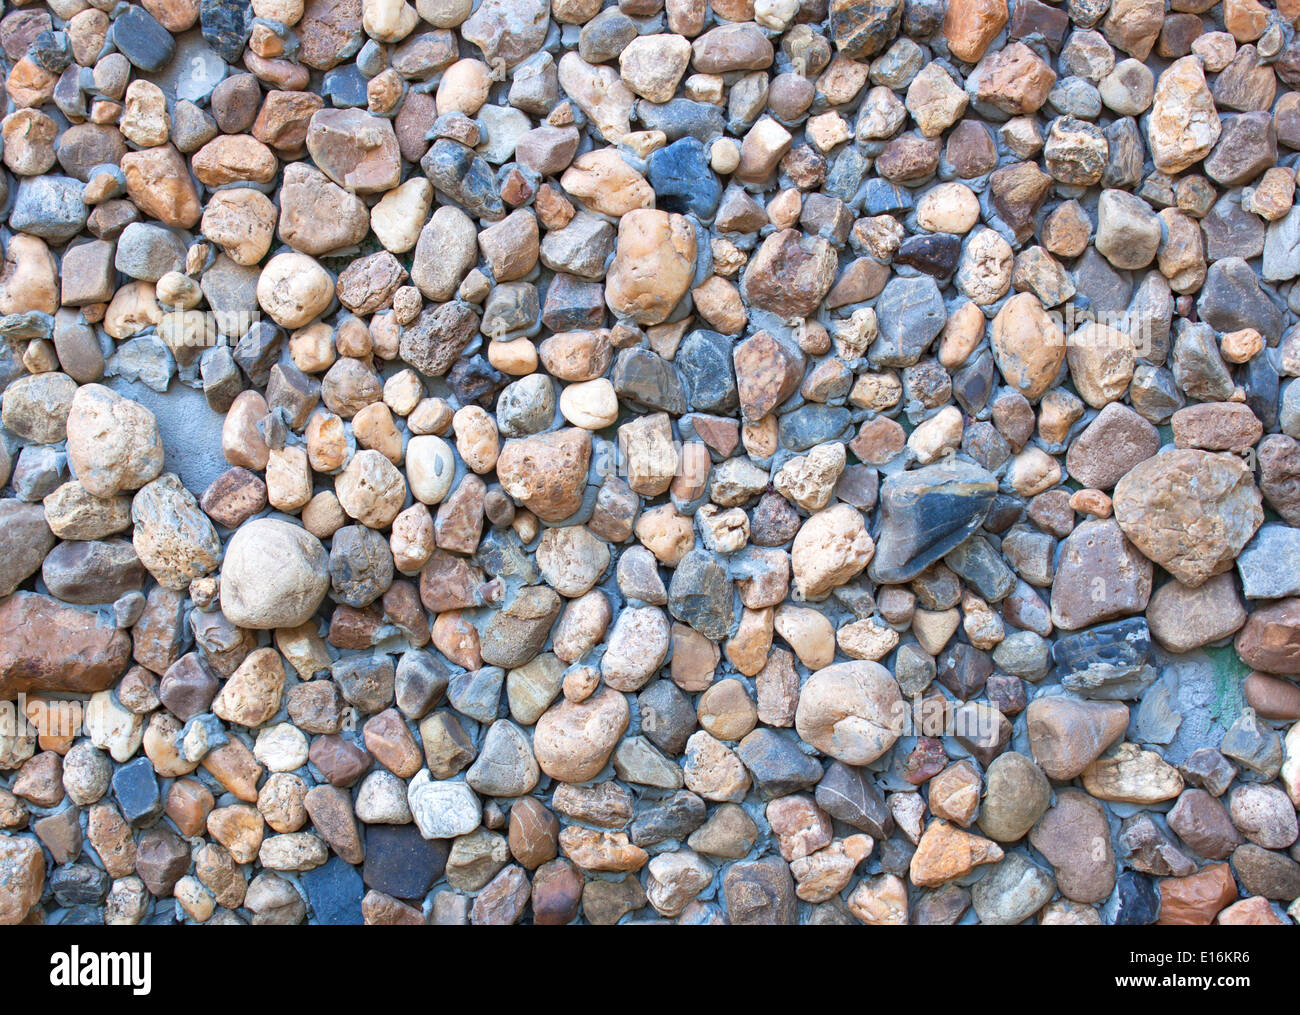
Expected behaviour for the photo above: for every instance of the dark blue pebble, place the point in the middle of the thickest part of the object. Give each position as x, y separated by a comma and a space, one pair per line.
141, 39
465, 178
845, 175
679, 118
649, 380
1139, 902
51, 51
973, 383
1261, 383
402, 863
79, 884
704, 362
135, 787
334, 892
344, 87
81, 916
226, 25
682, 179
884, 198
810, 425
935, 254
1121, 643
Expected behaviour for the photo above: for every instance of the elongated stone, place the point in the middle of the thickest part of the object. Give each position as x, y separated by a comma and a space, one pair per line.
47, 646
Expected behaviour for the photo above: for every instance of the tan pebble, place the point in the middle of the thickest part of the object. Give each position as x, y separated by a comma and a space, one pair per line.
476, 438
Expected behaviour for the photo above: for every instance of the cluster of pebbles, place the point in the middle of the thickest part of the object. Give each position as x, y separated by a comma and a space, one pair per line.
744, 461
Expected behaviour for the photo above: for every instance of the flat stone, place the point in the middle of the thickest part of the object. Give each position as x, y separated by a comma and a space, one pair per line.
1012, 891
925, 513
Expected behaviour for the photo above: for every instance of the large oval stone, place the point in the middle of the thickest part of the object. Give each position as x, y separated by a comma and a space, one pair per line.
275, 574
573, 740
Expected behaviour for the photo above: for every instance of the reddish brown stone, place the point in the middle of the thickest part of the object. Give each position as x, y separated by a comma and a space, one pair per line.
326, 30
19, 29
188, 804
47, 646
557, 892
234, 497
402, 608
449, 582
719, 433
281, 123
1014, 79
1270, 641
862, 280
340, 761
416, 115
971, 149
1196, 899
158, 182
1017, 191
909, 158
388, 739
879, 441
534, 833
1216, 426
188, 687
162, 859
1272, 697
1177, 35
316, 707
330, 810
60, 833
1034, 18
970, 27
159, 635
790, 273
234, 766
352, 628
459, 521
768, 372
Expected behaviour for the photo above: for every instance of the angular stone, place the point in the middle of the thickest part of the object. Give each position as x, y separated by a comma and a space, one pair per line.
1097, 557
1067, 735
1164, 503
925, 513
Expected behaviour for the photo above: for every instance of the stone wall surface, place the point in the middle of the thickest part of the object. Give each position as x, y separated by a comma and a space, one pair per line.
698, 461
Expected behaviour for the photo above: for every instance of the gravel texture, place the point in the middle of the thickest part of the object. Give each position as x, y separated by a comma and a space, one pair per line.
745, 461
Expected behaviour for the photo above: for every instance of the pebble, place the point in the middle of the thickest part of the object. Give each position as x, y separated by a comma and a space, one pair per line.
1017, 795
442, 809
1012, 891
1067, 735
24, 868
113, 443
1073, 836
1259, 814
1127, 773
850, 711
946, 852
